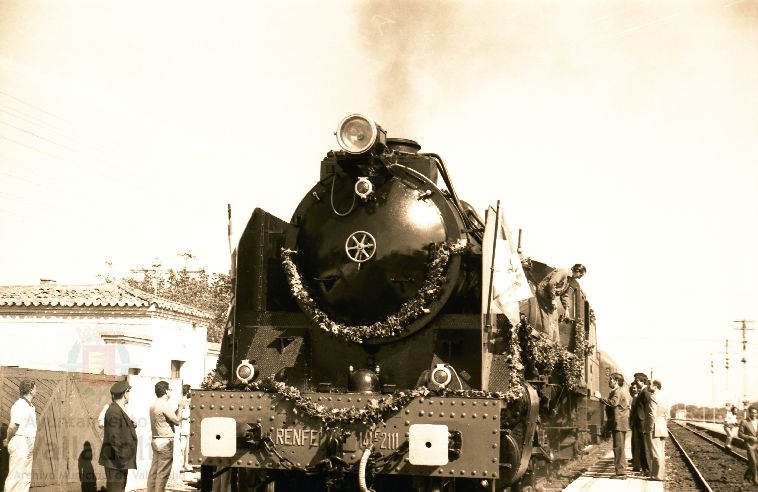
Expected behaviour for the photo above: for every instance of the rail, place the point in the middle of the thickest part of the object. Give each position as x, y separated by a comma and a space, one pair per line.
732, 452
698, 476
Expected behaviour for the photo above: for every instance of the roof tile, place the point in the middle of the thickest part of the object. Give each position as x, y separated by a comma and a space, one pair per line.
108, 294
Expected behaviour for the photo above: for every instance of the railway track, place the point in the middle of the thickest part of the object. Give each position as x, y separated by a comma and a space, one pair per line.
706, 461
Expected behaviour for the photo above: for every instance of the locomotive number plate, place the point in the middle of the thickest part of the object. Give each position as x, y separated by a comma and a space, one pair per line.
379, 440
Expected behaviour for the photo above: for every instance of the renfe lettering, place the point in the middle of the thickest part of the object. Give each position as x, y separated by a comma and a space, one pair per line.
297, 437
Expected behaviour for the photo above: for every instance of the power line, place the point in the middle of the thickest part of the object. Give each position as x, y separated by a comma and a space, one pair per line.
69, 161
109, 161
28, 104
106, 158
15, 113
152, 193
45, 139
678, 339
19, 178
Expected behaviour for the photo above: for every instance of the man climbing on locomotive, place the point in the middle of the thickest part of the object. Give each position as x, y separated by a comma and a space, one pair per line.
556, 285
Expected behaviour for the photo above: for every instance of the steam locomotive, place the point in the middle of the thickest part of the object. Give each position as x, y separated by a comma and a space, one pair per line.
363, 352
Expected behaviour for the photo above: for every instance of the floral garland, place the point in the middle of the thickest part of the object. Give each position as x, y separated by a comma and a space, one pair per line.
515, 366
377, 409
573, 367
394, 324
582, 348
373, 413
212, 381
545, 356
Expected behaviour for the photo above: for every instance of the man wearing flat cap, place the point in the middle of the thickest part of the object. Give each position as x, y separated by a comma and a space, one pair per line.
119, 451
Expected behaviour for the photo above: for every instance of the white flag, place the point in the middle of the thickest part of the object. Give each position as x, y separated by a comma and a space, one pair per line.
509, 284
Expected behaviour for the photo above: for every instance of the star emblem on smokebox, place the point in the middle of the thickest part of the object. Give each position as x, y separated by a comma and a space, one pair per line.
360, 246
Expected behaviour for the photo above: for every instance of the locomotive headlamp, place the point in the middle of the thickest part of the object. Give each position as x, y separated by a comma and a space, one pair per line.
246, 371
441, 376
357, 133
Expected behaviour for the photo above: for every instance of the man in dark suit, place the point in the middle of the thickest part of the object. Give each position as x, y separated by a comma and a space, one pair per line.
637, 421
620, 401
119, 452
749, 434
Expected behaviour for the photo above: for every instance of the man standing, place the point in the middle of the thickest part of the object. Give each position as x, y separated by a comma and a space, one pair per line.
620, 401
633, 392
185, 427
162, 422
22, 429
749, 434
656, 430
119, 451
637, 422
730, 427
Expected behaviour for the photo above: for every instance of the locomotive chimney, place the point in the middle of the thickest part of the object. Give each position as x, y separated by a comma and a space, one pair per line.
410, 157
403, 145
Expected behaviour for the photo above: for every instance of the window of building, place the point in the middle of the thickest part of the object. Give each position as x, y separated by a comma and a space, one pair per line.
134, 371
176, 368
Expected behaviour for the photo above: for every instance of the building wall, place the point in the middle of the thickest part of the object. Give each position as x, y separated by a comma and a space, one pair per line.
211, 356
106, 344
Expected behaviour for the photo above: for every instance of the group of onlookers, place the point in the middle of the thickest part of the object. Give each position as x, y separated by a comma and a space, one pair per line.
642, 410
118, 453
747, 430
119, 450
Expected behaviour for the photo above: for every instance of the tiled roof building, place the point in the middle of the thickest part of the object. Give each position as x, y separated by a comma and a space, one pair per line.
108, 328
109, 294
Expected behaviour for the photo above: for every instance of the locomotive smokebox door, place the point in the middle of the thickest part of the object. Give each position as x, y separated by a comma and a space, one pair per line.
362, 259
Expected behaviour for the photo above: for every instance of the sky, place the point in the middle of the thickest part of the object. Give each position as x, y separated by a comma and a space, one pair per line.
618, 134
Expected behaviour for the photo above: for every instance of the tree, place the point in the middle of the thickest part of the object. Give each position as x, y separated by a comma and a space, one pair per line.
207, 292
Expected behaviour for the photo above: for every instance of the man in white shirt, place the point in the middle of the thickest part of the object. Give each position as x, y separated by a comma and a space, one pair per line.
163, 419
730, 427
22, 430
656, 430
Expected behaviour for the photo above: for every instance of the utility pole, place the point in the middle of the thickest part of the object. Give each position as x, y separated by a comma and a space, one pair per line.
713, 391
726, 365
744, 330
